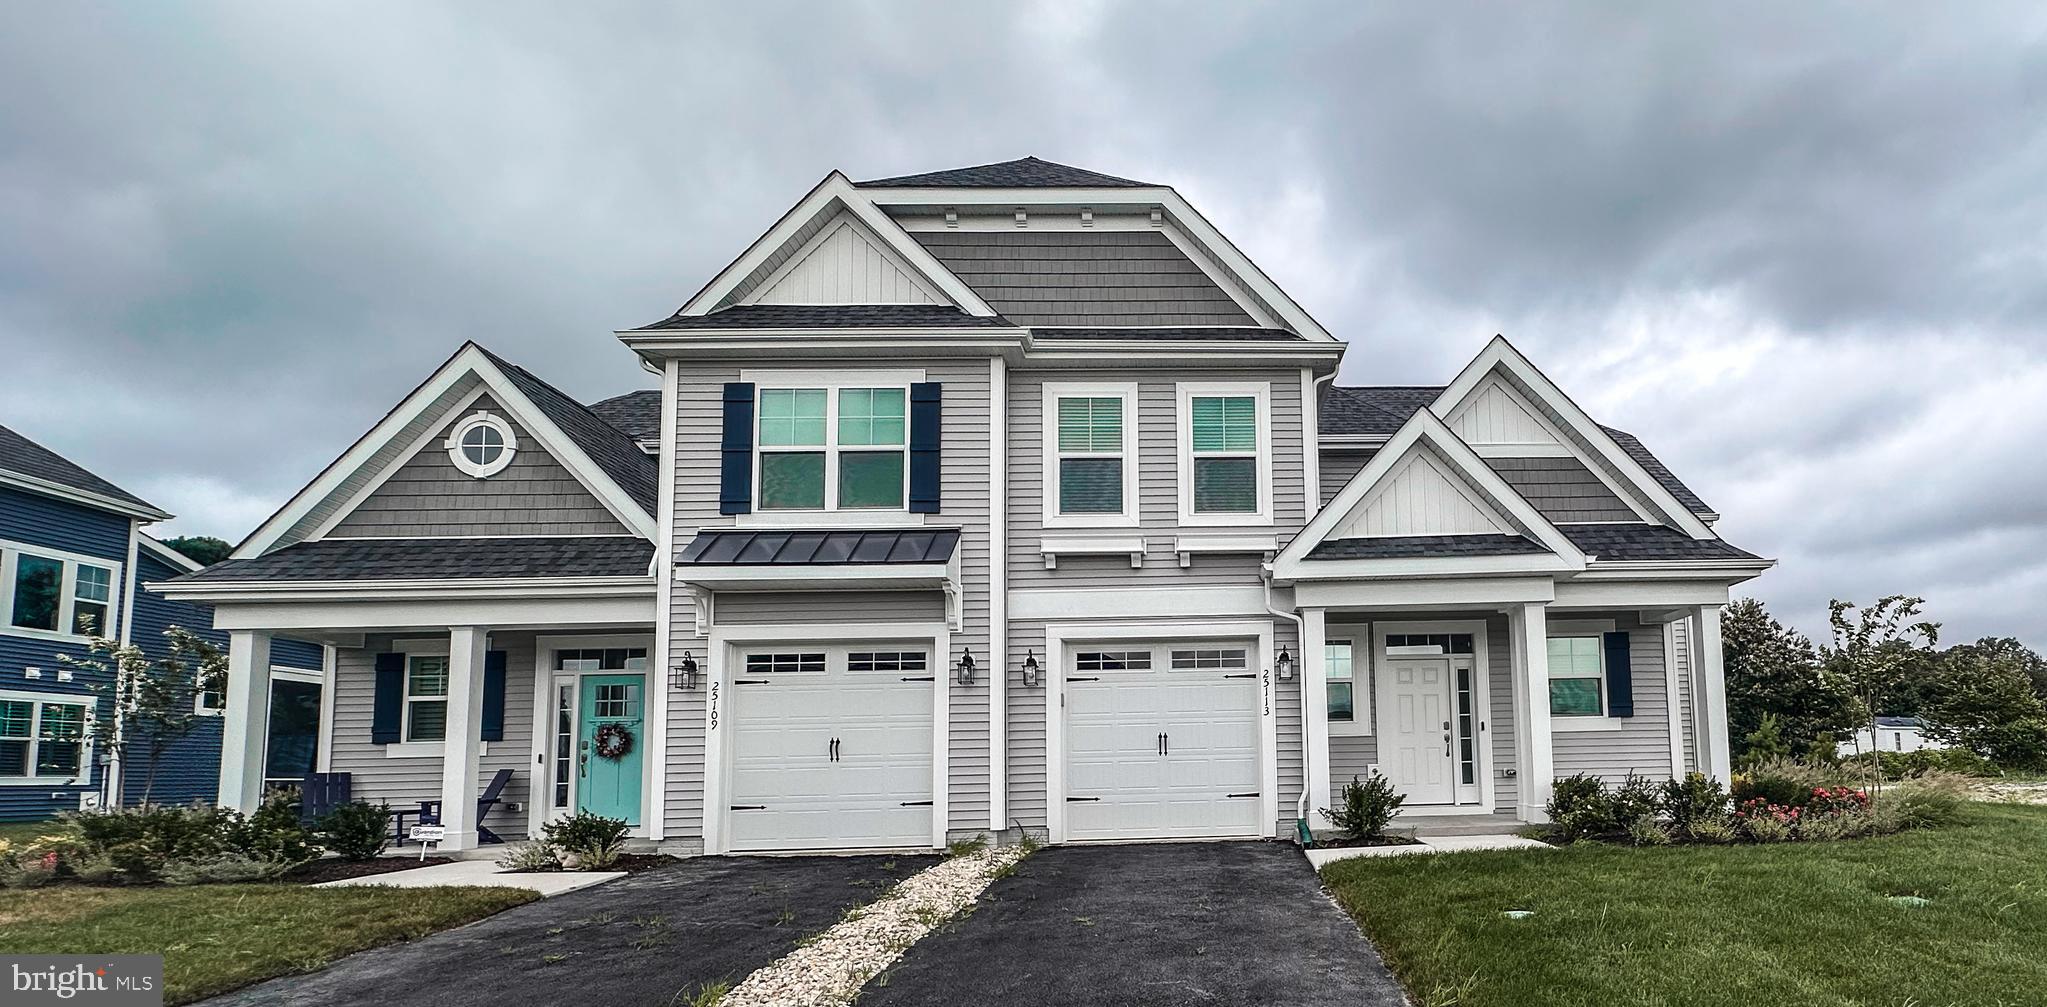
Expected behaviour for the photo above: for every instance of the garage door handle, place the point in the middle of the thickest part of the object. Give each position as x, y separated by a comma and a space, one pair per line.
916, 804
1072, 800
749, 807
1248, 674
1083, 679
926, 678
753, 681
1251, 794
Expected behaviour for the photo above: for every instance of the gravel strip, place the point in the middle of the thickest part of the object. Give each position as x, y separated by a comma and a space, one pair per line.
2014, 793
830, 970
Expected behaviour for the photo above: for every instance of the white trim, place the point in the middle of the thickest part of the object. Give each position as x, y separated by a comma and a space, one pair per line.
1053, 547
1709, 713
1425, 431
481, 420
1481, 705
558, 588
328, 616
846, 220
1358, 637
724, 641
97, 501
874, 576
1671, 696
88, 702
1050, 394
835, 188
546, 676
1311, 443
323, 757
1501, 355
1534, 738
1123, 603
1184, 393
860, 518
1558, 447
1425, 593
998, 594
116, 774
67, 596
1057, 636
1561, 724
832, 384
656, 821
167, 554
1315, 726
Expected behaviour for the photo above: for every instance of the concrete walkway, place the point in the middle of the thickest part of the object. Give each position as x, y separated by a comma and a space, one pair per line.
481, 874
1222, 924
1428, 844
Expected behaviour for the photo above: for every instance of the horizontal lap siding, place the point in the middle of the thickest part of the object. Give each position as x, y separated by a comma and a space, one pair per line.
1337, 465
1682, 631
1642, 745
429, 497
32, 519
964, 473
403, 783
1354, 755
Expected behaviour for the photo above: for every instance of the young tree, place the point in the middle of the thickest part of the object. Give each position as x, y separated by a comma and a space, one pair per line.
1774, 671
1983, 700
151, 699
1872, 648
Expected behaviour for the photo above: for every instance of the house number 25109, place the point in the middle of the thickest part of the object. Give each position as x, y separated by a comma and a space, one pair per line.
714, 706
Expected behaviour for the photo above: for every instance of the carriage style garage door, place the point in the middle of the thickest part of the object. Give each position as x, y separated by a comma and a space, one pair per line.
831, 747
1161, 741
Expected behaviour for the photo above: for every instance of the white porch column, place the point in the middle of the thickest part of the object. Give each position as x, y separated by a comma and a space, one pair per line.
1528, 632
1315, 712
466, 647
245, 725
1710, 719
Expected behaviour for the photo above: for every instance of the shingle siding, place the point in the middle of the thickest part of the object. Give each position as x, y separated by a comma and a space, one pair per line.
1085, 278
1563, 489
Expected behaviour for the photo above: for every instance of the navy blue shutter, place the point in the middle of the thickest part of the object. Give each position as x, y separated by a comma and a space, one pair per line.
1620, 683
389, 706
493, 695
735, 475
927, 415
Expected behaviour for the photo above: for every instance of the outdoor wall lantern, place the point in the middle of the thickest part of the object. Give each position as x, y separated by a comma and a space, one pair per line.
965, 669
1030, 669
684, 674
1284, 664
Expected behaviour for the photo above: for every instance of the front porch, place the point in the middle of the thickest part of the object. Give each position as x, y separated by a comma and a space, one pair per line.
1473, 709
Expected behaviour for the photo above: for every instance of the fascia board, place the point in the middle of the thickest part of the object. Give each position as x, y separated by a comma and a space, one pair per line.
73, 494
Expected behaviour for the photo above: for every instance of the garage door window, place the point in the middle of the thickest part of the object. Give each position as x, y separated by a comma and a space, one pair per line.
1205, 660
793, 663
1113, 660
885, 660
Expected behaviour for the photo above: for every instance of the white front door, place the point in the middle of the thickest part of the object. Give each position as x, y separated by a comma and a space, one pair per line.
831, 747
1161, 741
1416, 747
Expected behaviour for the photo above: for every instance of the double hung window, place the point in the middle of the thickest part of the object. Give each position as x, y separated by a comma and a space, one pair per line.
834, 448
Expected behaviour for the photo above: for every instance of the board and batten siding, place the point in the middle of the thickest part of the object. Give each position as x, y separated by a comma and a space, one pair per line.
428, 497
404, 782
966, 443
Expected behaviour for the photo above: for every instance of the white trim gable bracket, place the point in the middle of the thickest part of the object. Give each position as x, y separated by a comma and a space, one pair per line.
833, 196
1501, 356
1425, 438
437, 400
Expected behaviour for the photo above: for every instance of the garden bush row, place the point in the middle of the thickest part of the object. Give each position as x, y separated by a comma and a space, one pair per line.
1774, 801
190, 845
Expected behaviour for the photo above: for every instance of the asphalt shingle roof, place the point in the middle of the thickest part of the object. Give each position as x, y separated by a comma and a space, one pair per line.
25, 457
345, 559
612, 449
828, 316
1426, 547
724, 547
635, 414
1621, 543
1024, 172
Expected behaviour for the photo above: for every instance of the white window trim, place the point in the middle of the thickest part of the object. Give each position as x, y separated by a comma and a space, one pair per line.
1361, 705
407, 699
35, 740
199, 707
67, 598
831, 383
1568, 723
1053, 392
1261, 394
482, 418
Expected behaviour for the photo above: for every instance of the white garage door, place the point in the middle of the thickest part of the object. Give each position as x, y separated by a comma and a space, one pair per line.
1161, 741
831, 748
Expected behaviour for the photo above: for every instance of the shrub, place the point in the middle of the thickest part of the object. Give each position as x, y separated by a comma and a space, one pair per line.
273, 833
1633, 800
1367, 807
526, 858
1767, 823
226, 867
1926, 801
593, 840
1579, 806
1691, 801
1647, 831
1898, 765
140, 841
1786, 782
1713, 830
357, 830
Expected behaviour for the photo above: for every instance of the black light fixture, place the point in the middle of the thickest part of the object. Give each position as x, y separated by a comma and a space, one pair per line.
1284, 664
1030, 669
965, 669
684, 674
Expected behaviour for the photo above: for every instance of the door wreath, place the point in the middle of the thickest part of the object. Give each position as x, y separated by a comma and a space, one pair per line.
613, 742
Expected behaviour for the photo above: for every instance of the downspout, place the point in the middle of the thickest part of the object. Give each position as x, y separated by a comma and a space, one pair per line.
1301, 832
1311, 477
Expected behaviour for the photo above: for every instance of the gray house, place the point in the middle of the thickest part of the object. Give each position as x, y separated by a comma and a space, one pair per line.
1007, 498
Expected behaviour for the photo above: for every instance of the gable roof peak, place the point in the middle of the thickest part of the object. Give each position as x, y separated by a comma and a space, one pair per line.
28, 463
1023, 172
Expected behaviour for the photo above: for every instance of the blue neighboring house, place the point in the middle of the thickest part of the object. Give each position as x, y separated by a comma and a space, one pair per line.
73, 562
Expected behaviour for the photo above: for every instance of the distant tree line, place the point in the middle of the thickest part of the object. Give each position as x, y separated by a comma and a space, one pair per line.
1787, 696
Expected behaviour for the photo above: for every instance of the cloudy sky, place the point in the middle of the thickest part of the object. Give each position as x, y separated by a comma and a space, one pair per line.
1802, 253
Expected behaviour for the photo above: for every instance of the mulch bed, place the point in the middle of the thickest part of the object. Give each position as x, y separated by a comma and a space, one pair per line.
1347, 843
334, 869
634, 863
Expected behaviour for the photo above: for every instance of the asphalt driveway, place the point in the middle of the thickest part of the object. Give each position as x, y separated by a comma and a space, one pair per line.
1179, 923
643, 939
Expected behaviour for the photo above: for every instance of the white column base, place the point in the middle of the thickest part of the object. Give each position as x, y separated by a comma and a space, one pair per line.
1528, 647
245, 724
1315, 714
459, 760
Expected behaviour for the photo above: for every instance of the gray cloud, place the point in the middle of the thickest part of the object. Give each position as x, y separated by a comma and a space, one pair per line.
1797, 250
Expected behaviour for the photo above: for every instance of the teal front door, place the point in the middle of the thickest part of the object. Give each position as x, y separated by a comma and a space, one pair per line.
610, 742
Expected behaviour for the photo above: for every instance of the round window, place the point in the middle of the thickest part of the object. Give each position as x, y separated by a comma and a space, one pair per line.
482, 445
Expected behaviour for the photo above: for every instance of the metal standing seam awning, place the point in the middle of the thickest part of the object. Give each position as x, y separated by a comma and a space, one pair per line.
848, 559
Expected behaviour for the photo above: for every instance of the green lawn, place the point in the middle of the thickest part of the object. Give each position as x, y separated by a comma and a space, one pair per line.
218, 937
1781, 925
